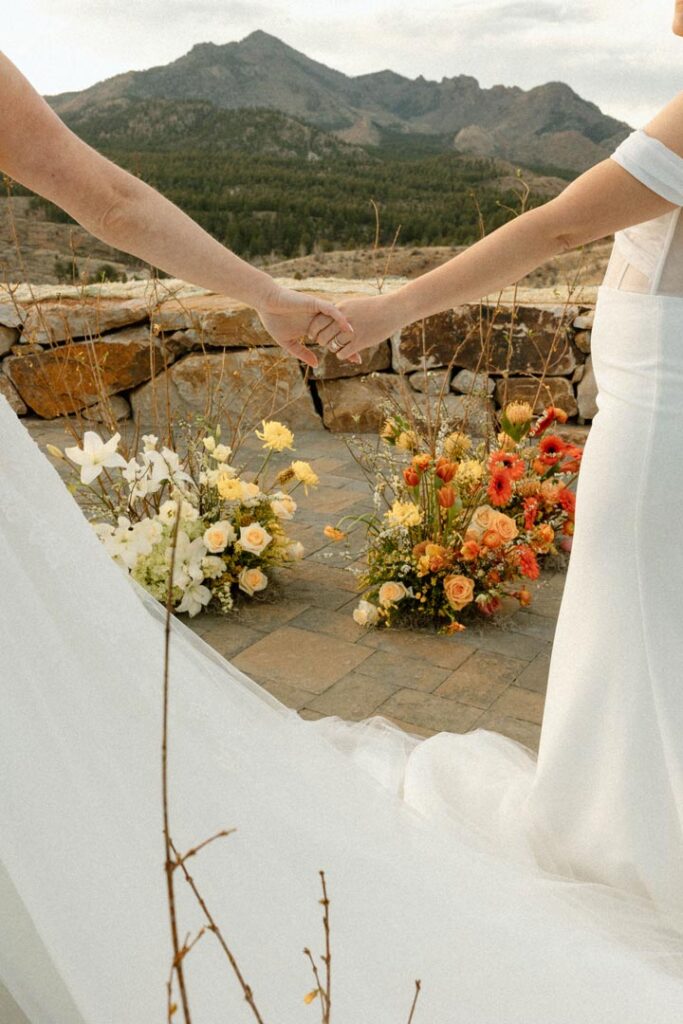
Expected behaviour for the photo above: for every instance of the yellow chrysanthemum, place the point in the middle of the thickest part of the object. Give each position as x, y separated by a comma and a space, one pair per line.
305, 474
469, 472
403, 513
505, 442
275, 436
389, 429
229, 488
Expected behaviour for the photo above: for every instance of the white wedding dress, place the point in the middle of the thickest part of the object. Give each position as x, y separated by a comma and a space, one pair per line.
519, 892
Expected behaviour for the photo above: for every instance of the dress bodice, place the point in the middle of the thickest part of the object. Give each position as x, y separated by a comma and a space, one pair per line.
648, 257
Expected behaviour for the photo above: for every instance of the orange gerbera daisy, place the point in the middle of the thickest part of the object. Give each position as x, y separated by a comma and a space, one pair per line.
507, 460
500, 487
552, 446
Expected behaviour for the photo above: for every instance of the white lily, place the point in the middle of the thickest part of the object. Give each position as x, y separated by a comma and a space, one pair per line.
95, 455
188, 560
138, 479
194, 599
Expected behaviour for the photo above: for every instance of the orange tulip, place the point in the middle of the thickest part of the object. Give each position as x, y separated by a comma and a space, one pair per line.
445, 470
446, 497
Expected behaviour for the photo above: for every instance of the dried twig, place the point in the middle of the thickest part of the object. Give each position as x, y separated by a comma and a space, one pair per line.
418, 989
169, 860
213, 926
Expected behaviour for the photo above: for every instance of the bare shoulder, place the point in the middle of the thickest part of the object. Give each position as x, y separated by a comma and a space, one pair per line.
41, 152
667, 125
30, 132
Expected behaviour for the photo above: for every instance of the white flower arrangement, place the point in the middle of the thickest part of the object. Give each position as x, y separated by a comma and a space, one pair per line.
231, 529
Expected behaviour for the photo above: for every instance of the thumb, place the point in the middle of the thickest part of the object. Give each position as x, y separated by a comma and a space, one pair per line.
329, 309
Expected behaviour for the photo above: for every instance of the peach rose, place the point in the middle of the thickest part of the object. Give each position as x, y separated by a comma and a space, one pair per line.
217, 537
459, 591
254, 538
506, 527
251, 580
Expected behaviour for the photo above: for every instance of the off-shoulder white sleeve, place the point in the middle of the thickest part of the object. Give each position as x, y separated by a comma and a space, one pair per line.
653, 163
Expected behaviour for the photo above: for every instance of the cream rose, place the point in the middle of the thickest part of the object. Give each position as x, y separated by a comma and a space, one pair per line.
283, 505
459, 591
295, 550
391, 593
365, 614
251, 493
254, 538
251, 580
483, 518
217, 537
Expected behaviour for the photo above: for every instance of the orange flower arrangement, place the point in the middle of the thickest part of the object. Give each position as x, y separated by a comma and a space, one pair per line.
465, 524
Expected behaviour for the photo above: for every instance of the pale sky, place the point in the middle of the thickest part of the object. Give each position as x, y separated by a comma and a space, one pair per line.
621, 54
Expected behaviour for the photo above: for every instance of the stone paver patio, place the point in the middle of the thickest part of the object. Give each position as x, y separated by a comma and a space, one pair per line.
301, 643
303, 646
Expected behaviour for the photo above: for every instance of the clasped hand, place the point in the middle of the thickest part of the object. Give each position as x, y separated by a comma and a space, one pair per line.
346, 329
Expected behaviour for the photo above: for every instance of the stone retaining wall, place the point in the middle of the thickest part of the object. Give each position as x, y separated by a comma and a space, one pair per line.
155, 352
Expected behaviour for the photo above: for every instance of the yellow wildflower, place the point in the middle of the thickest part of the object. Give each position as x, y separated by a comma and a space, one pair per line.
403, 513
229, 488
407, 441
469, 472
456, 444
304, 474
275, 436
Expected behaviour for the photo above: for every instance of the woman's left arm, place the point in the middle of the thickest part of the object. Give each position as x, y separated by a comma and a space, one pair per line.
602, 200
39, 151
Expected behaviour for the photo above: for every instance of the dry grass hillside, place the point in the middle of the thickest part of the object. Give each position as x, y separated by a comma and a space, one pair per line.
45, 246
586, 266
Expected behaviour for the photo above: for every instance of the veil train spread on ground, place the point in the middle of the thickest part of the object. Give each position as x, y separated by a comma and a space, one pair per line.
541, 892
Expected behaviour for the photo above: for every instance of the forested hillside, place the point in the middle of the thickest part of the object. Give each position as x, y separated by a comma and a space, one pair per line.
265, 183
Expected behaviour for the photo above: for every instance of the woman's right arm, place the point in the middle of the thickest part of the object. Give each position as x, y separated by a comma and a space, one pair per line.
604, 199
38, 150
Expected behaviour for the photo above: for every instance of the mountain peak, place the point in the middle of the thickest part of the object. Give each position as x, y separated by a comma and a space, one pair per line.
261, 71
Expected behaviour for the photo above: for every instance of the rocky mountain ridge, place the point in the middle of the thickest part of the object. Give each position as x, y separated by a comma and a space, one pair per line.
548, 126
